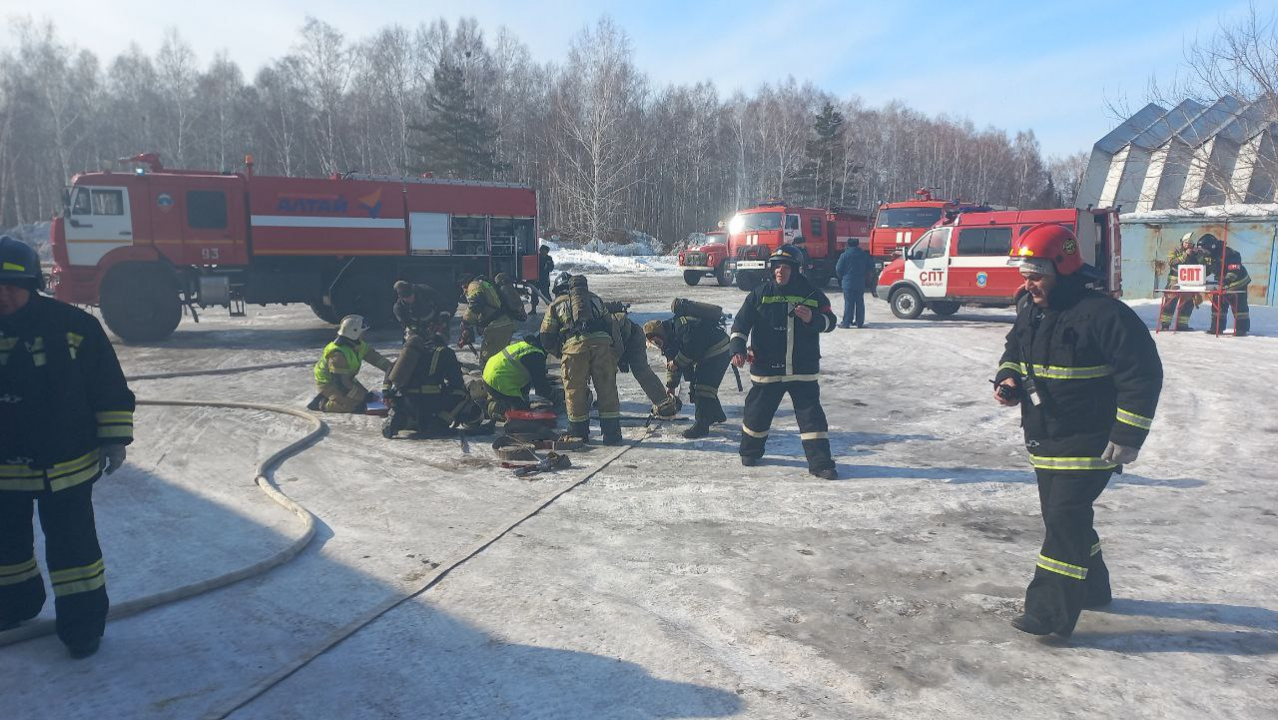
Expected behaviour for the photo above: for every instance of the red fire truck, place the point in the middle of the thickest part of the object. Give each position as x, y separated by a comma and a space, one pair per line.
897, 225
754, 233
706, 260
141, 245
964, 262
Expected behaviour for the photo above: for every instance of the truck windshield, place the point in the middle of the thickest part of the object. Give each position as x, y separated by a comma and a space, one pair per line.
714, 239
909, 217
756, 221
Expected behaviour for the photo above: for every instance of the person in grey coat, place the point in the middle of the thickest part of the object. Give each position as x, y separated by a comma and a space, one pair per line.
853, 266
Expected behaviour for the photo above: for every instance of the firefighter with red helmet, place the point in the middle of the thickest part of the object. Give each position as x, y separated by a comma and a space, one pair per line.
783, 319
67, 415
1086, 374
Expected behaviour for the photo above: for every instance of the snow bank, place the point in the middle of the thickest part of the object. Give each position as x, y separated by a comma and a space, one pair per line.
1217, 212
35, 235
642, 255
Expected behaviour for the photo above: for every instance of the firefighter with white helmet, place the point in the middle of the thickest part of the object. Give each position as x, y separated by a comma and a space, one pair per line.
1086, 374
337, 371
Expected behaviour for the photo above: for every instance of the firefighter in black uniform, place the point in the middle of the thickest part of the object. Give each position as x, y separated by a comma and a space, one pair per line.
696, 349
783, 318
1086, 374
416, 302
1233, 280
427, 384
67, 415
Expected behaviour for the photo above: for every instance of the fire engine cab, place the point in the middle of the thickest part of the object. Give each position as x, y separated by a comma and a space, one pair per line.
898, 224
706, 259
965, 262
143, 244
754, 233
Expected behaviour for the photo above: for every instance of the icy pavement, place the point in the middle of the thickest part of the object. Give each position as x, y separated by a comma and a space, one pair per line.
674, 583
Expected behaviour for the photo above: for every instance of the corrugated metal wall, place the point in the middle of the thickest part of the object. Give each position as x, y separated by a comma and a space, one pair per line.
1146, 244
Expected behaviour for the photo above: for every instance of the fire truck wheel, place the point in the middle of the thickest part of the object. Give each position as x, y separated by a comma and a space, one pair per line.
140, 301
324, 312
944, 308
906, 304
721, 275
692, 277
367, 294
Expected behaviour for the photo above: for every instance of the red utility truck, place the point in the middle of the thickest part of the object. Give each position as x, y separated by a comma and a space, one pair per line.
754, 233
964, 262
141, 245
706, 260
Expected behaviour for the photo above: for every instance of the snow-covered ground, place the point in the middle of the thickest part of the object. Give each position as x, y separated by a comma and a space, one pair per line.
675, 583
596, 257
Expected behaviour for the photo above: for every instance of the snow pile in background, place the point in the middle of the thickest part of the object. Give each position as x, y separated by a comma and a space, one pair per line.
34, 234
596, 256
1232, 210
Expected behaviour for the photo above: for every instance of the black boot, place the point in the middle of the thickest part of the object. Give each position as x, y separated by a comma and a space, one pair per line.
1027, 623
82, 650
611, 431
825, 473
580, 430
699, 429
316, 403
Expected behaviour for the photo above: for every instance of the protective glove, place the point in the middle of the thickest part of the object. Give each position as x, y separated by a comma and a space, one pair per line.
112, 458
623, 366
1120, 454
668, 408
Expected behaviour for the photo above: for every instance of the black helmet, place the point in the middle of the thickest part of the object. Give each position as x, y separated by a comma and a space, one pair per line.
533, 339
19, 264
561, 284
1209, 242
785, 254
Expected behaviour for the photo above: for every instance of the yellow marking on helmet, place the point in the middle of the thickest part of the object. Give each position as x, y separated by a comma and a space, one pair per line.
15, 266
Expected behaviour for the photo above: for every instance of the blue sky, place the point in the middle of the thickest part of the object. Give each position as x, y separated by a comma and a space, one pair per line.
1054, 68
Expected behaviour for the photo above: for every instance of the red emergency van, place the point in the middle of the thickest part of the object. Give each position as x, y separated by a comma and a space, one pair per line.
965, 262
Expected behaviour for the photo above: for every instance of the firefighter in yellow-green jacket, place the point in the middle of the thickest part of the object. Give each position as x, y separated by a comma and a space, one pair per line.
511, 373
577, 328
337, 371
66, 415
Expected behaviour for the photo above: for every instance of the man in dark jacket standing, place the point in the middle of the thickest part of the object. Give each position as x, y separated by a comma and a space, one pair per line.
67, 415
1086, 374
545, 266
1233, 279
783, 319
852, 267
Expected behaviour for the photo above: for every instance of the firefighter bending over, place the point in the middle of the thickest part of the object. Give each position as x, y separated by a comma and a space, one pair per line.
486, 311
783, 318
67, 415
425, 388
1086, 374
698, 350
511, 373
631, 349
577, 329
338, 368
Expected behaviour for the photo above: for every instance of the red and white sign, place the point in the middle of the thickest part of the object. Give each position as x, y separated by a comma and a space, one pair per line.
1191, 276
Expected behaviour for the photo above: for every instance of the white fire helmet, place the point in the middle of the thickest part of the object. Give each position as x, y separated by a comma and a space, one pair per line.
353, 327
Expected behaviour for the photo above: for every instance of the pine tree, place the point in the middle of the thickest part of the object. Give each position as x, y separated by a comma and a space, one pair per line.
817, 181
458, 137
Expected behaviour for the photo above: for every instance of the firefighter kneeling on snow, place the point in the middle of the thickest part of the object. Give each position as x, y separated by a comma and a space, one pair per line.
425, 388
1086, 374
784, 318
335, 373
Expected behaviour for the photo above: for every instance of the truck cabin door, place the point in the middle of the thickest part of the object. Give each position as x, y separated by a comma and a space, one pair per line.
100, 221
928, 263
978, 266
212, 223
793, 228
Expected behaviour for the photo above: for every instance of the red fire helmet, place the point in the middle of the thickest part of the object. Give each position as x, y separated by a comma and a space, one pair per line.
1048, 241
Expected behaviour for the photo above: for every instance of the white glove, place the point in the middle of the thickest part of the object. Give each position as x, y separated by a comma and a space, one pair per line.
1120, 454
112, 458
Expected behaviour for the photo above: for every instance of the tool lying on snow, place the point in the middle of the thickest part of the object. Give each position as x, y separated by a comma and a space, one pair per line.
553, 461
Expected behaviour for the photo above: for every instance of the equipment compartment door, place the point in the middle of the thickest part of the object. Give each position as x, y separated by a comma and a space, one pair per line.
212, 221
